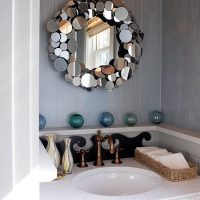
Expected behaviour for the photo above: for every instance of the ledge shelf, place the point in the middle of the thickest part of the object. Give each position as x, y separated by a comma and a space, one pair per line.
93, 130
163, 129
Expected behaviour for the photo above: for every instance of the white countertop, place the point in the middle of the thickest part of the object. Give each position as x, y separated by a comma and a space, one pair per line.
63, 189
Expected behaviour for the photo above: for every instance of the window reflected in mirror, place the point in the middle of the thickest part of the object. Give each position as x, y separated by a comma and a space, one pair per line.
97, 43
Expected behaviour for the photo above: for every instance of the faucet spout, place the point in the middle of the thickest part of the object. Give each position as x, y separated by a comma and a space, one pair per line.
111, 143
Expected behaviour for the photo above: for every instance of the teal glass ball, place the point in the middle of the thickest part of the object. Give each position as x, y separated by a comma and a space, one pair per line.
42, 122
156, 117
130, 119
76, 121
106, 119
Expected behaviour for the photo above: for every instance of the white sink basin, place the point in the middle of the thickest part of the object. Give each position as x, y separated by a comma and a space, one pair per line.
116, 181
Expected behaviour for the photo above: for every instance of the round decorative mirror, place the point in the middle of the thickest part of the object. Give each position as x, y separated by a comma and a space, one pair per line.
96, 43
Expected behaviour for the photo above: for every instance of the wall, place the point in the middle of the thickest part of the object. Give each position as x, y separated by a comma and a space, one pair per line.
181, 63
6, 173
19, 104
141, 94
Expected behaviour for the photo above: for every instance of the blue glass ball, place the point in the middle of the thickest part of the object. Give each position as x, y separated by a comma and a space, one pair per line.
42, 121
106, 119
156, 117
130, 119
76, 121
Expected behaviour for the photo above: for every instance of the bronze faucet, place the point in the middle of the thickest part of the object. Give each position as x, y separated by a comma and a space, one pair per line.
100, 139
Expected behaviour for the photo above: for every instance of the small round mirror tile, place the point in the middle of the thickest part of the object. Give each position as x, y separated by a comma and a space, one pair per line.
55, 44
55, 37
120, 63
126, 73
109, 85
63, 46
64, 15
70, 3
63, 37
101, 82
87, 80
121, 13
60, 64
124, 27
99, 73
57, 14
127, 57
51, 49
74, 69
65, 26
65, 55
100, 6
79, 23
72, 46
120, 81
108, 69
68, 78
125, 36
112, 77
57, 51
76, 81
83, 6
118, 3
109, 5
71, 12
53, 56
91, 5
52, 26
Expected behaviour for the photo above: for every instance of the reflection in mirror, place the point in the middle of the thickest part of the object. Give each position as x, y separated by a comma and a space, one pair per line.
96, 43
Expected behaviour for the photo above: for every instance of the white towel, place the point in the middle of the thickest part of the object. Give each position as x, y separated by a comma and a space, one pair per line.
146, 149
149, 153
156, 155
174, 161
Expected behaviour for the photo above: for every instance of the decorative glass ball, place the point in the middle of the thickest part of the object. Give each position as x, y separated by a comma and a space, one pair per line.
42, 121
76, 121
130, 119
156, 117
106, 119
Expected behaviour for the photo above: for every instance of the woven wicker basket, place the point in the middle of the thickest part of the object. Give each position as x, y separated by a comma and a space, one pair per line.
173, 175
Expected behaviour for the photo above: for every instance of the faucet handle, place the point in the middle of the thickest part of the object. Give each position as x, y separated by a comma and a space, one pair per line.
99, 137
82, 162
117, 158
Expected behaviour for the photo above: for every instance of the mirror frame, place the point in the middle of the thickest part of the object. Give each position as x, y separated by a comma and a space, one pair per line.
63, 46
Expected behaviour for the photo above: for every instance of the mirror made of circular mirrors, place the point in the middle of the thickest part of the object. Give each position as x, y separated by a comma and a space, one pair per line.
98, 44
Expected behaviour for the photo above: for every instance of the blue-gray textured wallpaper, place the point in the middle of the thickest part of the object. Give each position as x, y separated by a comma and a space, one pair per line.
140, 95
181, 63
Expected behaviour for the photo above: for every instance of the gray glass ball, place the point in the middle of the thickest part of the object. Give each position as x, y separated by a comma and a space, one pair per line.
130, 119
42, 122
106, 119
156, 117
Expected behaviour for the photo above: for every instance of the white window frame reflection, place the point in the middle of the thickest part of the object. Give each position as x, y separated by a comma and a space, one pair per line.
98, 51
